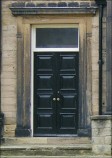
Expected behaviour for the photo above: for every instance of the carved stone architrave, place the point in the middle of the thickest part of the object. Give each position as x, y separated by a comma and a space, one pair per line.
24, 70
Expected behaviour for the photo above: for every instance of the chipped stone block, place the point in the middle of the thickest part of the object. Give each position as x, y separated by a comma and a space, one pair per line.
102, 149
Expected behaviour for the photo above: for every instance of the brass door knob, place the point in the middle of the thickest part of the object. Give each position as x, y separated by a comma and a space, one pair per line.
54, 99
58, 99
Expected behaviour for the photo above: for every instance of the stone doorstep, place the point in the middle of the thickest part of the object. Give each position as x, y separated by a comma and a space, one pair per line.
60, 147
46, 150
46, 140
48, 147
59, 151
51, 146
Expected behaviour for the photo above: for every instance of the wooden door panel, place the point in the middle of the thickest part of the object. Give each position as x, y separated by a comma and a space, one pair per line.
67, 82
67, 124
45, 121
68, 93
44, 62
45, 82
44, 101
67, 63
68, 101
67, 121
44, 88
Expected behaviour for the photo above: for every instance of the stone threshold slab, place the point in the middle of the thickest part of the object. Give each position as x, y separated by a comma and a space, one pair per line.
70, 146
46, 140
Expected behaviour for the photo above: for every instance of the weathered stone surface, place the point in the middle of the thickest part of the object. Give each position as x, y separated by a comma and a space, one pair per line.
86, 156
41, 5
102, 149
101, 134
84, 4
48, 140
62, 4
8, 75
9, 130
59, 3
100, 124
73, 4
9, 121
20, 4
98, 140
108, 139
46, 150
30, 5
52, 4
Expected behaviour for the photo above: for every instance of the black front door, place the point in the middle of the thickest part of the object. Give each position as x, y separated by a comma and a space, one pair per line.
55, 93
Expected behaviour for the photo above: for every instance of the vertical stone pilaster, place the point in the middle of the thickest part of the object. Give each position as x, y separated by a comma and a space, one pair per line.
84, 111
109, 57
19, 73
27, 75
22, 128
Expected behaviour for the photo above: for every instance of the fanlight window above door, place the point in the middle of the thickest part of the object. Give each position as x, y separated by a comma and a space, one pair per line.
56, 39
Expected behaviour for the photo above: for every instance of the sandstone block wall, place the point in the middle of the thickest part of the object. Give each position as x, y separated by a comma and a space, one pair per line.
8, 75
102, 134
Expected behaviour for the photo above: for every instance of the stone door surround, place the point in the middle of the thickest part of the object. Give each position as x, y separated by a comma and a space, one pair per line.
26, 18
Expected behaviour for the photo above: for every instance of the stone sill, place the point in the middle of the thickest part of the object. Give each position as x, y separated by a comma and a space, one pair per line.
101, 117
